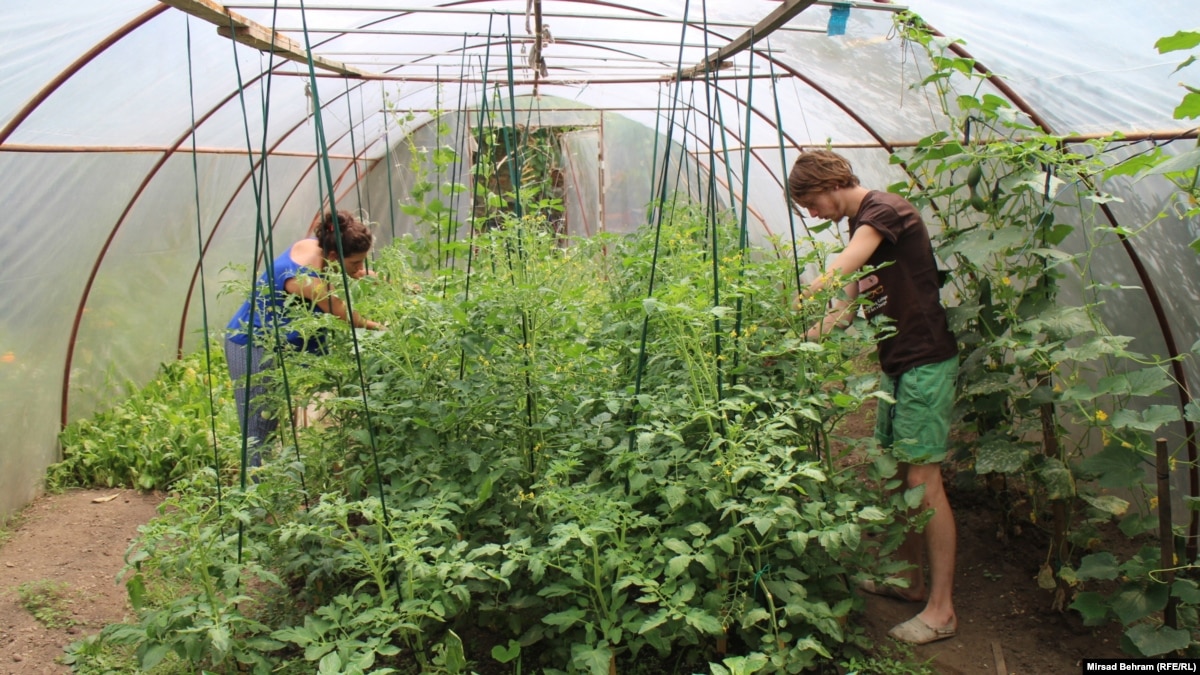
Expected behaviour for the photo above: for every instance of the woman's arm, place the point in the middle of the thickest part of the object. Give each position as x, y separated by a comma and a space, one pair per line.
319, 294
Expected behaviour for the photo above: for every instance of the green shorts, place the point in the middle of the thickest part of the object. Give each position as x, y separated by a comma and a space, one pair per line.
917, 426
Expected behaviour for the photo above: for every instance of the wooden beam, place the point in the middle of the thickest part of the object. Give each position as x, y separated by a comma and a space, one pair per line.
782, 14
253, 34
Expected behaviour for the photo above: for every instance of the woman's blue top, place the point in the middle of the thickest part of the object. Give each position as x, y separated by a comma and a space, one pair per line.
270, 304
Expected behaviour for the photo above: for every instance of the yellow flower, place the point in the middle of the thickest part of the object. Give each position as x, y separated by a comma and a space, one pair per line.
1101, 415
1154, 502
1006, 281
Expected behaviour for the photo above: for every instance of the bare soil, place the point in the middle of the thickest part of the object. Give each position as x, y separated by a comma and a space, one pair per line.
74, 542
1006, 624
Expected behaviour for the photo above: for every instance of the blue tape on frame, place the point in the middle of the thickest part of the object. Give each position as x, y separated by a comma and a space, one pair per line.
837, 19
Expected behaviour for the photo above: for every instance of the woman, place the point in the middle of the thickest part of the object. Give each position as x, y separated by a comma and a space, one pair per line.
295, 275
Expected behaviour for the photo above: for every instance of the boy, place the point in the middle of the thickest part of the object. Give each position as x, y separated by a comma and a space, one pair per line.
919, 362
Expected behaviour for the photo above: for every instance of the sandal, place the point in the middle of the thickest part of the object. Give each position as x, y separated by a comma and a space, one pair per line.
917, 632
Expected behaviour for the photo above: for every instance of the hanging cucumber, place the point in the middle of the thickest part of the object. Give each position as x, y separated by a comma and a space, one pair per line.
974, 176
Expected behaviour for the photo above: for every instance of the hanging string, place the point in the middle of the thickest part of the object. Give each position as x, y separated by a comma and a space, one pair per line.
744, 234
323, 150
270, 256
792, 212
787, 194
362, 122
711, 79
353, 149
212, 402
477, 170
460, 136
662, 195
387, 114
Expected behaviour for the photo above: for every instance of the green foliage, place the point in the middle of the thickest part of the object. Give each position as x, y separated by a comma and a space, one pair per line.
519, 464
1020, 220
158, 434
48, 601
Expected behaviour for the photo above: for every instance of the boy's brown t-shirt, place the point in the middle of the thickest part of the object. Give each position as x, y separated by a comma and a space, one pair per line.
906, 290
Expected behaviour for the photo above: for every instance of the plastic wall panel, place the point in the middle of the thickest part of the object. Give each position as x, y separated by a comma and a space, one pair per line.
62, 210
38, 44
1089, 67
878, 88
581, 186
335, 118
134, 93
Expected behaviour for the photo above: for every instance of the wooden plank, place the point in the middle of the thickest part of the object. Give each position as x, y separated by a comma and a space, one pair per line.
782, 14
998, 656
253, 34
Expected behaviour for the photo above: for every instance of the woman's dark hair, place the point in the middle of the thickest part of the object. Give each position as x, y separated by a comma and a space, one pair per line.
356, 238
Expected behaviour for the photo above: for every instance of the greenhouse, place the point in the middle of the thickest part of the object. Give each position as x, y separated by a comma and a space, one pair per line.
568, 336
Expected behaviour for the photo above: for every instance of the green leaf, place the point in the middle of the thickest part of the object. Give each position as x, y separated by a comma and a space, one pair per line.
1000, 455
1189, 108
872, 513
218, 637
485, 490
592, 660
1148, 381
1136, 602
1154, 640
914, 496
1108, 504
136, 587
1135, 523
704, 622
755, 615
506, 653
744, 665
1098, 566
1192, 411
1057, 479
675, 495
1183, 162
1187, 591
153, 656
1115, 467
1092, 607
1184, 39
455, 658
564, 618
653, 621
330, 664
1149, 420
678, 565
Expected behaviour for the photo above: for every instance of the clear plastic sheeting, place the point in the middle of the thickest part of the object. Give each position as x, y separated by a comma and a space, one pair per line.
1087, 67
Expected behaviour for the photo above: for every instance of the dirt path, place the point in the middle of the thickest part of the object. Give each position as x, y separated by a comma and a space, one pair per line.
1006, 625
71, 546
